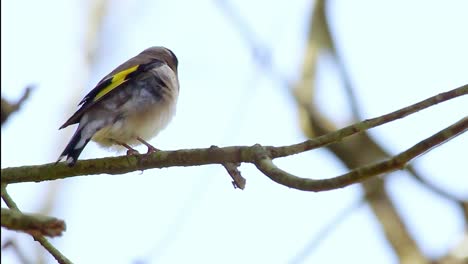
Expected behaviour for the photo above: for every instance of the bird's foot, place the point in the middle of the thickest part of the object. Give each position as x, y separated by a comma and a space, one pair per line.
152, 149
132, 152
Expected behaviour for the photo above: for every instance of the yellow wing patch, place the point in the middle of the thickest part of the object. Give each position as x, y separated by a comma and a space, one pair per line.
116, 80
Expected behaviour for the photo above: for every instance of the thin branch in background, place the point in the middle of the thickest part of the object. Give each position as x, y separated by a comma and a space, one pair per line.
354, 105
355, 109
95, 20
320, 20
97, 13
176, 226
39, 238
352, 154
326, 231
13, 245
342, 69
319, 29
353, 101
93, 27
433, 187
261, 54
8, 108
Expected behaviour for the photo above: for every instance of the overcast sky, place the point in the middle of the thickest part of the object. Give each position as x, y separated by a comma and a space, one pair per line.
398, 52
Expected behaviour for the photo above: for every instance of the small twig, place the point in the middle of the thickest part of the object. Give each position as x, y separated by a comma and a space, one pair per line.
232, 170
237, 180
39, 238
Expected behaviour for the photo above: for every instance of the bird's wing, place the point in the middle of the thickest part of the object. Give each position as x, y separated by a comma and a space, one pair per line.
117, 78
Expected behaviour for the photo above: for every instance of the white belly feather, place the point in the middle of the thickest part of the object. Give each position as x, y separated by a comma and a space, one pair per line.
145, 125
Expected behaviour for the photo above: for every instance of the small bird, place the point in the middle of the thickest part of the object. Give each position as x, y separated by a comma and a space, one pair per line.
129, 106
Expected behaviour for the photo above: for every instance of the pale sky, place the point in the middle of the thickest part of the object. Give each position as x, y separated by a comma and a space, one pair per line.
397, 52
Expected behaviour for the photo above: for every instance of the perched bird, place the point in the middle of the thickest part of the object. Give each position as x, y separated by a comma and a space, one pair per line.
128, 106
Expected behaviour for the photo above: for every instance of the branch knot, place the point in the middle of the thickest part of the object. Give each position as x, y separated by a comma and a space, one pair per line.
260, 152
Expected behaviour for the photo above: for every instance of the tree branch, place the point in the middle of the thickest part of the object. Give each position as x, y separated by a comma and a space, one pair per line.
265, 164
233, 170
32, 223
237, 154
370, 123
260, 156
358, 151
39, 238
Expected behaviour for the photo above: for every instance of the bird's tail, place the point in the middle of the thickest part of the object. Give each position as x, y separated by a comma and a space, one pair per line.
74, 147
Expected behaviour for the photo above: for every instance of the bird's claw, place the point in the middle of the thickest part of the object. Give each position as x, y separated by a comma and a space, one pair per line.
152, 149
132, 152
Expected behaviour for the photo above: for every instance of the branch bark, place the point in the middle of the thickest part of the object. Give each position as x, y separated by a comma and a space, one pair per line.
39, 238
260, 156
362, 173
32, 223
358, 151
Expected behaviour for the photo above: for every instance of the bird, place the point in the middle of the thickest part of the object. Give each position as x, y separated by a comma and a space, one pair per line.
128, 107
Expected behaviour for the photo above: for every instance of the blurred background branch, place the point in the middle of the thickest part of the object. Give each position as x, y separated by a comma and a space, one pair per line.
10, 108
354, 152
59, 257
357, 61
12, 244
96, 14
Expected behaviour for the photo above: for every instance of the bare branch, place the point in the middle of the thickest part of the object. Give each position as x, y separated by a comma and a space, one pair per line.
320, 40
237, 154
370, 123
32, 223
39, 238
265, 164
